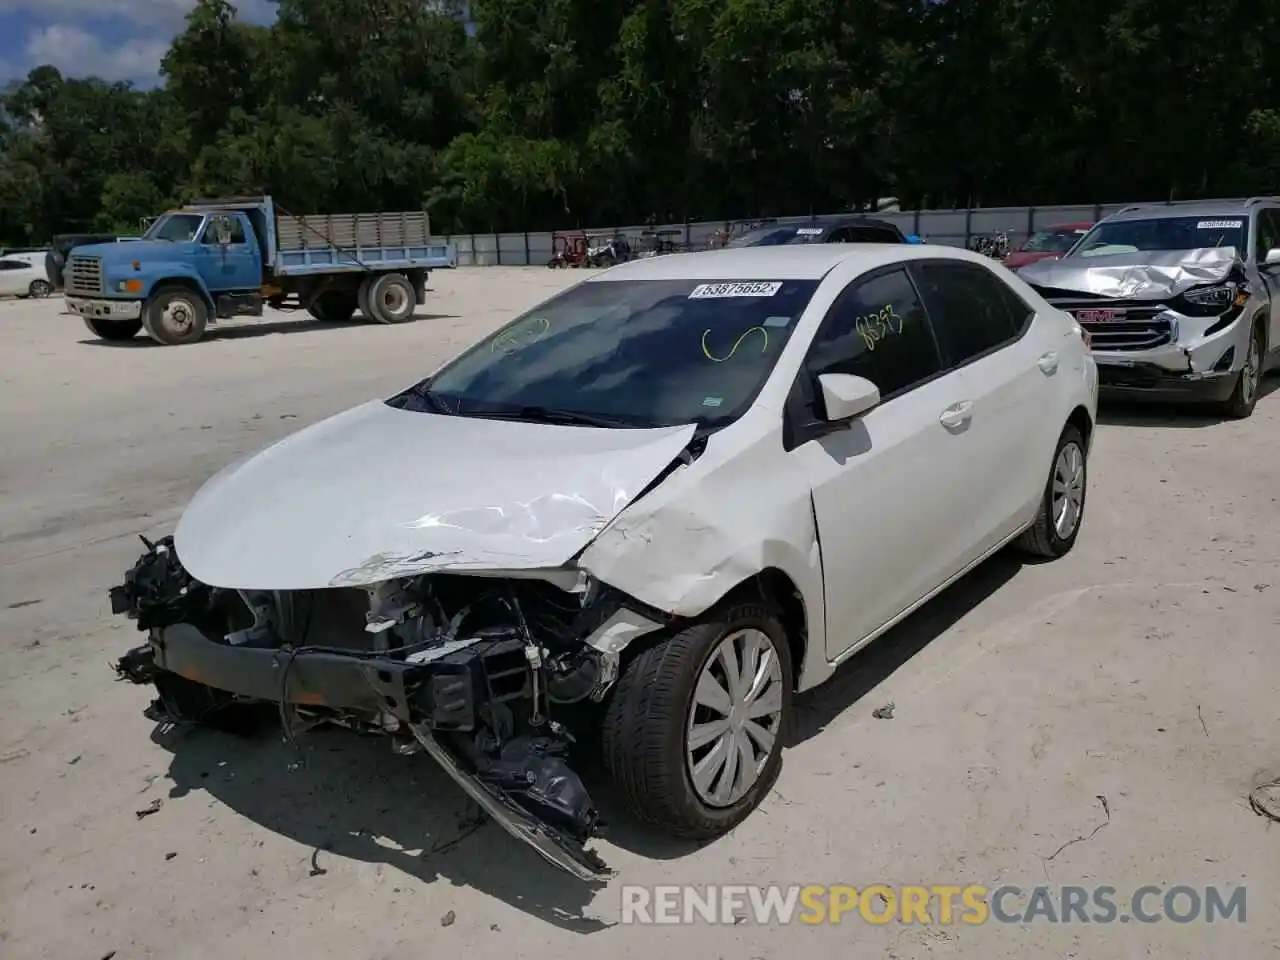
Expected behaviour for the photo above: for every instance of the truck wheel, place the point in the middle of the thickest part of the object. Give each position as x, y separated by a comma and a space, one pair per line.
333, 306
362, 299
391, 299
175, 315
694, 728
114, 330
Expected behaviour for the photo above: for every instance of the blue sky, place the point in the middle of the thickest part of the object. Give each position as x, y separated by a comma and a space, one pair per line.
113, 39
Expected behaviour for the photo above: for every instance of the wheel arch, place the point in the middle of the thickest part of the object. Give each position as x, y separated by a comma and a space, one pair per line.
184, 282
1082, 421
771, 587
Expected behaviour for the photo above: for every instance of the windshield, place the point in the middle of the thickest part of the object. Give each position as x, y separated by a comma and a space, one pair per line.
176, 227
1051, 241
769, 237
1163, 233
632, 353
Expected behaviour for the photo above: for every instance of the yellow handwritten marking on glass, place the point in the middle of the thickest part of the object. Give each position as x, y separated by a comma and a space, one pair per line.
706, 351
510, 341
874, 327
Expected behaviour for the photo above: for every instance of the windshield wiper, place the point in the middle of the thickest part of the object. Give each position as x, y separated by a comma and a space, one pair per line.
535, 414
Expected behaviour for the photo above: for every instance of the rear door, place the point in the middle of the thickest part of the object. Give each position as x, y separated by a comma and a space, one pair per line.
1010, 369
15, 277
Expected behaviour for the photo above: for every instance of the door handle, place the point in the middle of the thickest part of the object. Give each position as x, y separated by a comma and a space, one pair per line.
1048, 364
957, 415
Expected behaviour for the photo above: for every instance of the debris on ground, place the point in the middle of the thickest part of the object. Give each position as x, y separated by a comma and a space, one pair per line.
883, 713
171, 855
152, 807
1265, 800
448, 918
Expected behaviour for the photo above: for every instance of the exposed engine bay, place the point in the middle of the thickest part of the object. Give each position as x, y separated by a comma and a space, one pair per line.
480, 672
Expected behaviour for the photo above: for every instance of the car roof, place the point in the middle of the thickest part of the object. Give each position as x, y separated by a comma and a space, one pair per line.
1205, 208
1067, 227
805, 262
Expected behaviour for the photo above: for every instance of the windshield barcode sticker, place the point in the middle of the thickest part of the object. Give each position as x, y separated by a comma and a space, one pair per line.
757, 288
1219, 224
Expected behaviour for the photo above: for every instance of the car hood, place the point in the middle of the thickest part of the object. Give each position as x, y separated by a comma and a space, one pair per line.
378, 492
1133, 276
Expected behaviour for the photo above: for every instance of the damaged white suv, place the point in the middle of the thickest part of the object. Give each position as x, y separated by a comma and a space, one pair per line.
642, 516
1181, 300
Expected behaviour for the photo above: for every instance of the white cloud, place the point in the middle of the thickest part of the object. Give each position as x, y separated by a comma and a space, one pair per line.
78, 53
155, 14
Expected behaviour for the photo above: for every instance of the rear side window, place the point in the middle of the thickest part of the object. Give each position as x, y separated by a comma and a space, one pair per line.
973, 311
877, 329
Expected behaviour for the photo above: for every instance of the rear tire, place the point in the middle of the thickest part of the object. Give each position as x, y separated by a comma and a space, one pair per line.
1054, 532
391, 299
39, 289
362, 299
175, 316
333, 306
1244, 397
656, 704
116, 331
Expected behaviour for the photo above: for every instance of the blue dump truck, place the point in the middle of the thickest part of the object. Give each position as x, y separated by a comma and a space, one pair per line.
215, 259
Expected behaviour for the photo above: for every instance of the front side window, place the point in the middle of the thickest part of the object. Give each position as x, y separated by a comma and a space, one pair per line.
630, 353
877, 329
175, 227
973, 311
1268, 233
1164, 233
236, 231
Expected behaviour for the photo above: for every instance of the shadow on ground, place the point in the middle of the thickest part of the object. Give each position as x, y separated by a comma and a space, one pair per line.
1124, 413
247, 329
353, 798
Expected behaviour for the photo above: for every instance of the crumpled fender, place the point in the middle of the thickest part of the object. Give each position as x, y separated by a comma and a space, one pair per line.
711, 525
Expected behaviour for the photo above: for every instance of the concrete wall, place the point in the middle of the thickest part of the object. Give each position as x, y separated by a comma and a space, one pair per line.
954, 227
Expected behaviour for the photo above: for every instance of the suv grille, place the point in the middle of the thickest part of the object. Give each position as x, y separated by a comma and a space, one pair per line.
83, 275
1135, 326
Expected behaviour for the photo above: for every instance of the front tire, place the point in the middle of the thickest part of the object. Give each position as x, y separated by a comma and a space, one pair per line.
175, 316
116, 331
1061, 512
1244, 397
693, 730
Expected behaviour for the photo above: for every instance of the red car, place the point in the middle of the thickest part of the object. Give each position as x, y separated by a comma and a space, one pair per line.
1047, 244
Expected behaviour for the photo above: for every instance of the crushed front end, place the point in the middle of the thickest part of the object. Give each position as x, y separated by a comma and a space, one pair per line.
469, 669
1165, 327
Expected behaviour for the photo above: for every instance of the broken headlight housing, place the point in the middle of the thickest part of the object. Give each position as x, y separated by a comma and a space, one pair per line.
1215, 299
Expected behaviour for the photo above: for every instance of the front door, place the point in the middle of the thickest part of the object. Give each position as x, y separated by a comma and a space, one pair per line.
891, 495
1267, 238
234, 266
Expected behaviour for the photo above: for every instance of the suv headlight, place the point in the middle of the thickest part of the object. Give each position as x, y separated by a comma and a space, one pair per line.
1220, 296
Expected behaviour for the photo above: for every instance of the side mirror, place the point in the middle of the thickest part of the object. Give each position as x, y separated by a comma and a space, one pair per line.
1273, 256
845, 396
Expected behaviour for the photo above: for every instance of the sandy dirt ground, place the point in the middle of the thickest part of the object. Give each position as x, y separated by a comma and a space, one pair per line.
1141, 669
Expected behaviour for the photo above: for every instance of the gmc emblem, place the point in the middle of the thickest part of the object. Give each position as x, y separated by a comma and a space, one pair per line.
1100, 315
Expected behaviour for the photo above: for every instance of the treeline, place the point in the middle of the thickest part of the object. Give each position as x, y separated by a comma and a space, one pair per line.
558, 113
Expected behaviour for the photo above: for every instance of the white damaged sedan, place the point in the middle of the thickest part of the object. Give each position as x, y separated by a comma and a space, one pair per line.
640, 517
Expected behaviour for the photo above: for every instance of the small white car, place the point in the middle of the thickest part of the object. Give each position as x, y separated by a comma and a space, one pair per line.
24, 275
641, 517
